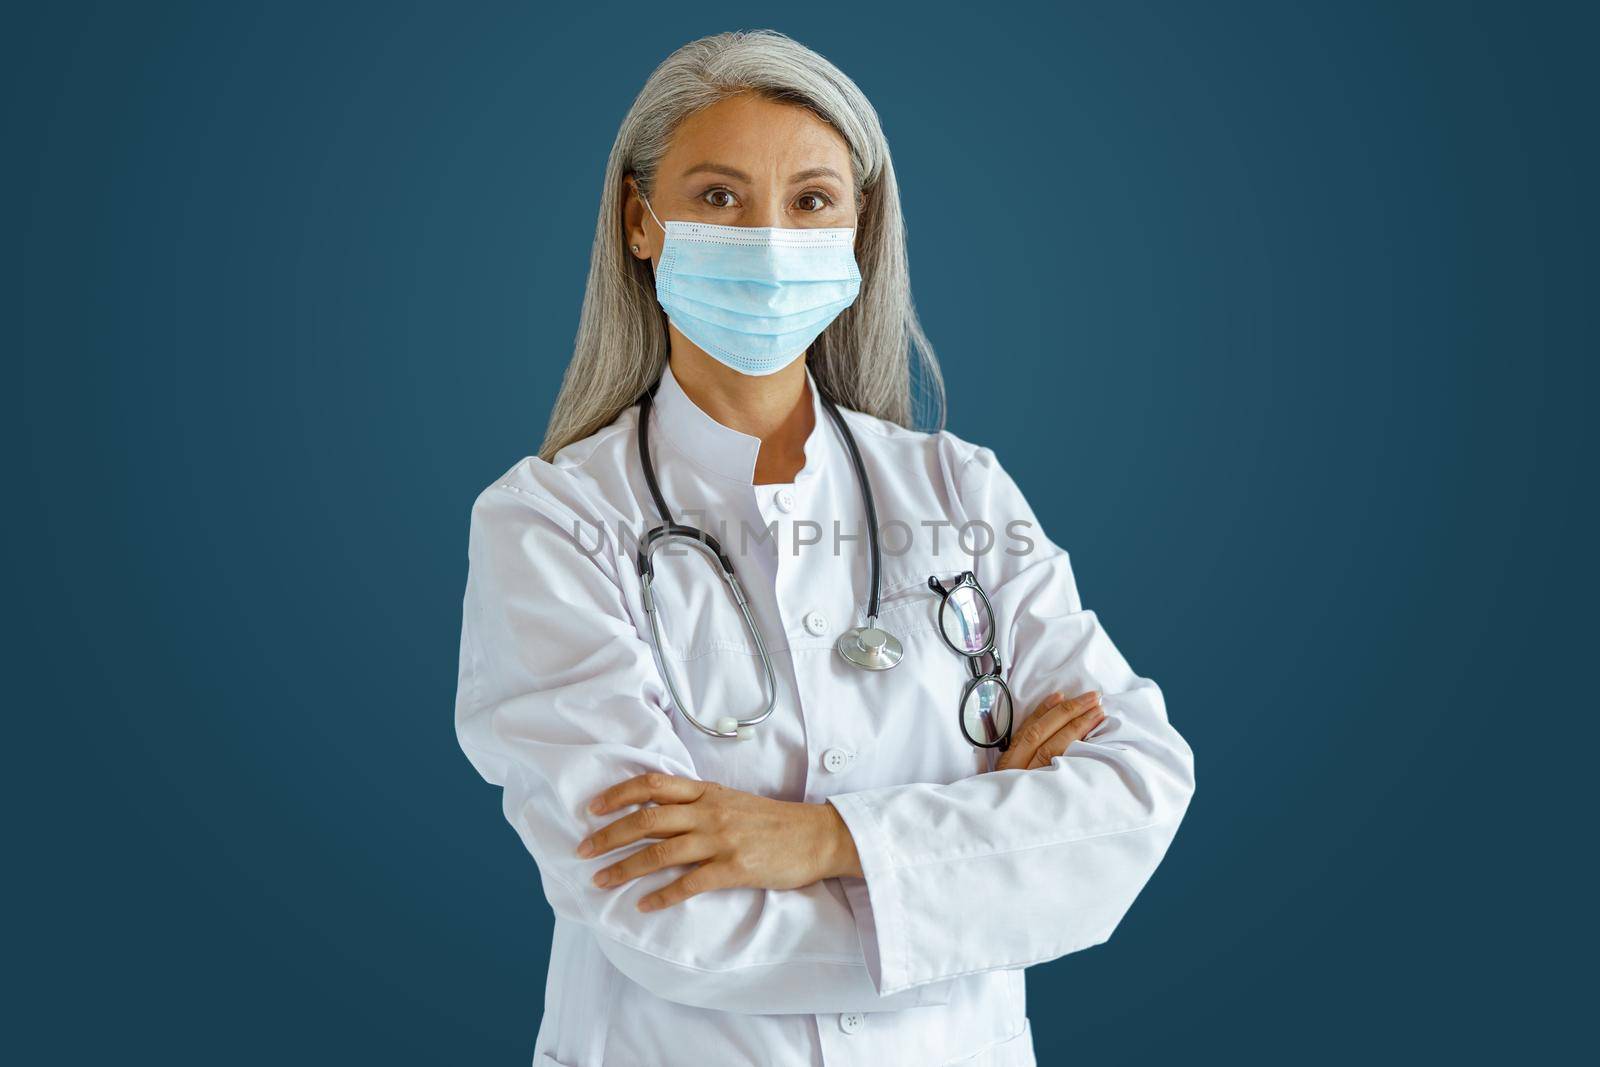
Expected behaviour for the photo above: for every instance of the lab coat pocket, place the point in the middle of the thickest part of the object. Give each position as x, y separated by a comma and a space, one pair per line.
919, 700
913, 717
906, 597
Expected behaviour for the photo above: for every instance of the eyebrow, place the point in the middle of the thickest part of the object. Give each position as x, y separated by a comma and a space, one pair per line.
731, 172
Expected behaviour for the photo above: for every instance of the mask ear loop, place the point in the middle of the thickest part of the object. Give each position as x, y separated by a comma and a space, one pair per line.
640, 193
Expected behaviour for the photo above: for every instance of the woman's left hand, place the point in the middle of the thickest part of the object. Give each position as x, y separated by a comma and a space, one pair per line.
735, 838
1054, 725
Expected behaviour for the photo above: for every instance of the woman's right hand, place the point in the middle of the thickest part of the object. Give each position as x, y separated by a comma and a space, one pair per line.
1054, 724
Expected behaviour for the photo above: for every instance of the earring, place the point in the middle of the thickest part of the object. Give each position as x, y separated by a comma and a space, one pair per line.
636, 248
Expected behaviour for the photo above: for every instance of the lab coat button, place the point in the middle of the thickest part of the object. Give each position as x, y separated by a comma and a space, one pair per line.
816, 625
837, 759
784, 499
851, 1021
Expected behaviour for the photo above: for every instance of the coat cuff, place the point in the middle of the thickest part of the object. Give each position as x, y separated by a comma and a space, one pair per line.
876, 900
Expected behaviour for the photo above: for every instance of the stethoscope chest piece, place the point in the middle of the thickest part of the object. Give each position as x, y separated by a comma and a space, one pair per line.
870, 647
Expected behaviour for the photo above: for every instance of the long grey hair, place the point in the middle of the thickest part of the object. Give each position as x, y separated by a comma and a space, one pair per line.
865, 359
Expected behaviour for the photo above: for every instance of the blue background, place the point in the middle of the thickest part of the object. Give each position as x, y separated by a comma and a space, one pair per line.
1282, 314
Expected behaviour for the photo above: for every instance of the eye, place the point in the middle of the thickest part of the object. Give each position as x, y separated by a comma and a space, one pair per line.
719, 197
821, 201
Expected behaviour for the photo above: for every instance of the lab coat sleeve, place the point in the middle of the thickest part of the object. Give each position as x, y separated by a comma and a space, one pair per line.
558, 698
1010, 868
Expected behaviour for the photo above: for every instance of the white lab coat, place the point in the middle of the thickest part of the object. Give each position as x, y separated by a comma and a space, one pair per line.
970, 874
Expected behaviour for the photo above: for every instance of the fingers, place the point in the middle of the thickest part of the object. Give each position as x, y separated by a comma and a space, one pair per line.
670, 818
702, 879
1013, 755
1075, 730
658, 820
656, 785
686, 848
1052, 714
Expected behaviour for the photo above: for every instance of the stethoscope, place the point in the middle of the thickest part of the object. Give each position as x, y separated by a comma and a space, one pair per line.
869, 647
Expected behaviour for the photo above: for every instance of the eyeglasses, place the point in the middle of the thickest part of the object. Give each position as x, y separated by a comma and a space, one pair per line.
966, 622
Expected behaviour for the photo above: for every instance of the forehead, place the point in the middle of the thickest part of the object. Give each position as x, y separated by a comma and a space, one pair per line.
756, 135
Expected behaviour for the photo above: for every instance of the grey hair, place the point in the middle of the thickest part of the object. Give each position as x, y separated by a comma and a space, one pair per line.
865, 359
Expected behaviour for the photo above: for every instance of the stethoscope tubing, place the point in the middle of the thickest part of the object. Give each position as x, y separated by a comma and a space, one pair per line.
674, 531
646, 578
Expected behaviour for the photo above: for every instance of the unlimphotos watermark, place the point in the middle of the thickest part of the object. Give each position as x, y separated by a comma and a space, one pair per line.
896, 537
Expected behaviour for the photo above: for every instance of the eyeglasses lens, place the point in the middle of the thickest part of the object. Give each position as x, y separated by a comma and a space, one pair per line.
986, 714
966, 620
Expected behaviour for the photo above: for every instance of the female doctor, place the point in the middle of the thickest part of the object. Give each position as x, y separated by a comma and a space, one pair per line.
766, 761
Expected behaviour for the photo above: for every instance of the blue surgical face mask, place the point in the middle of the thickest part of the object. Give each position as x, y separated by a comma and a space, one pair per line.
754, 297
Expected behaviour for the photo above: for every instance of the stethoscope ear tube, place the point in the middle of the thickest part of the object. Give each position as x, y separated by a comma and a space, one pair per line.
868, 647
669, 531
874, 556
726, 725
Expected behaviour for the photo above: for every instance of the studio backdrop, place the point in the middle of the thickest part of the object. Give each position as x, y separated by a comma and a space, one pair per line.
1281, 314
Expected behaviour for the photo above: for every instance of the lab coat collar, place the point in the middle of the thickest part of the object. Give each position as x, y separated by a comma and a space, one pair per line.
722, 449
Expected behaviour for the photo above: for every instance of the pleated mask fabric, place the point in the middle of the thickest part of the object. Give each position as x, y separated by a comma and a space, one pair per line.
755, 297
